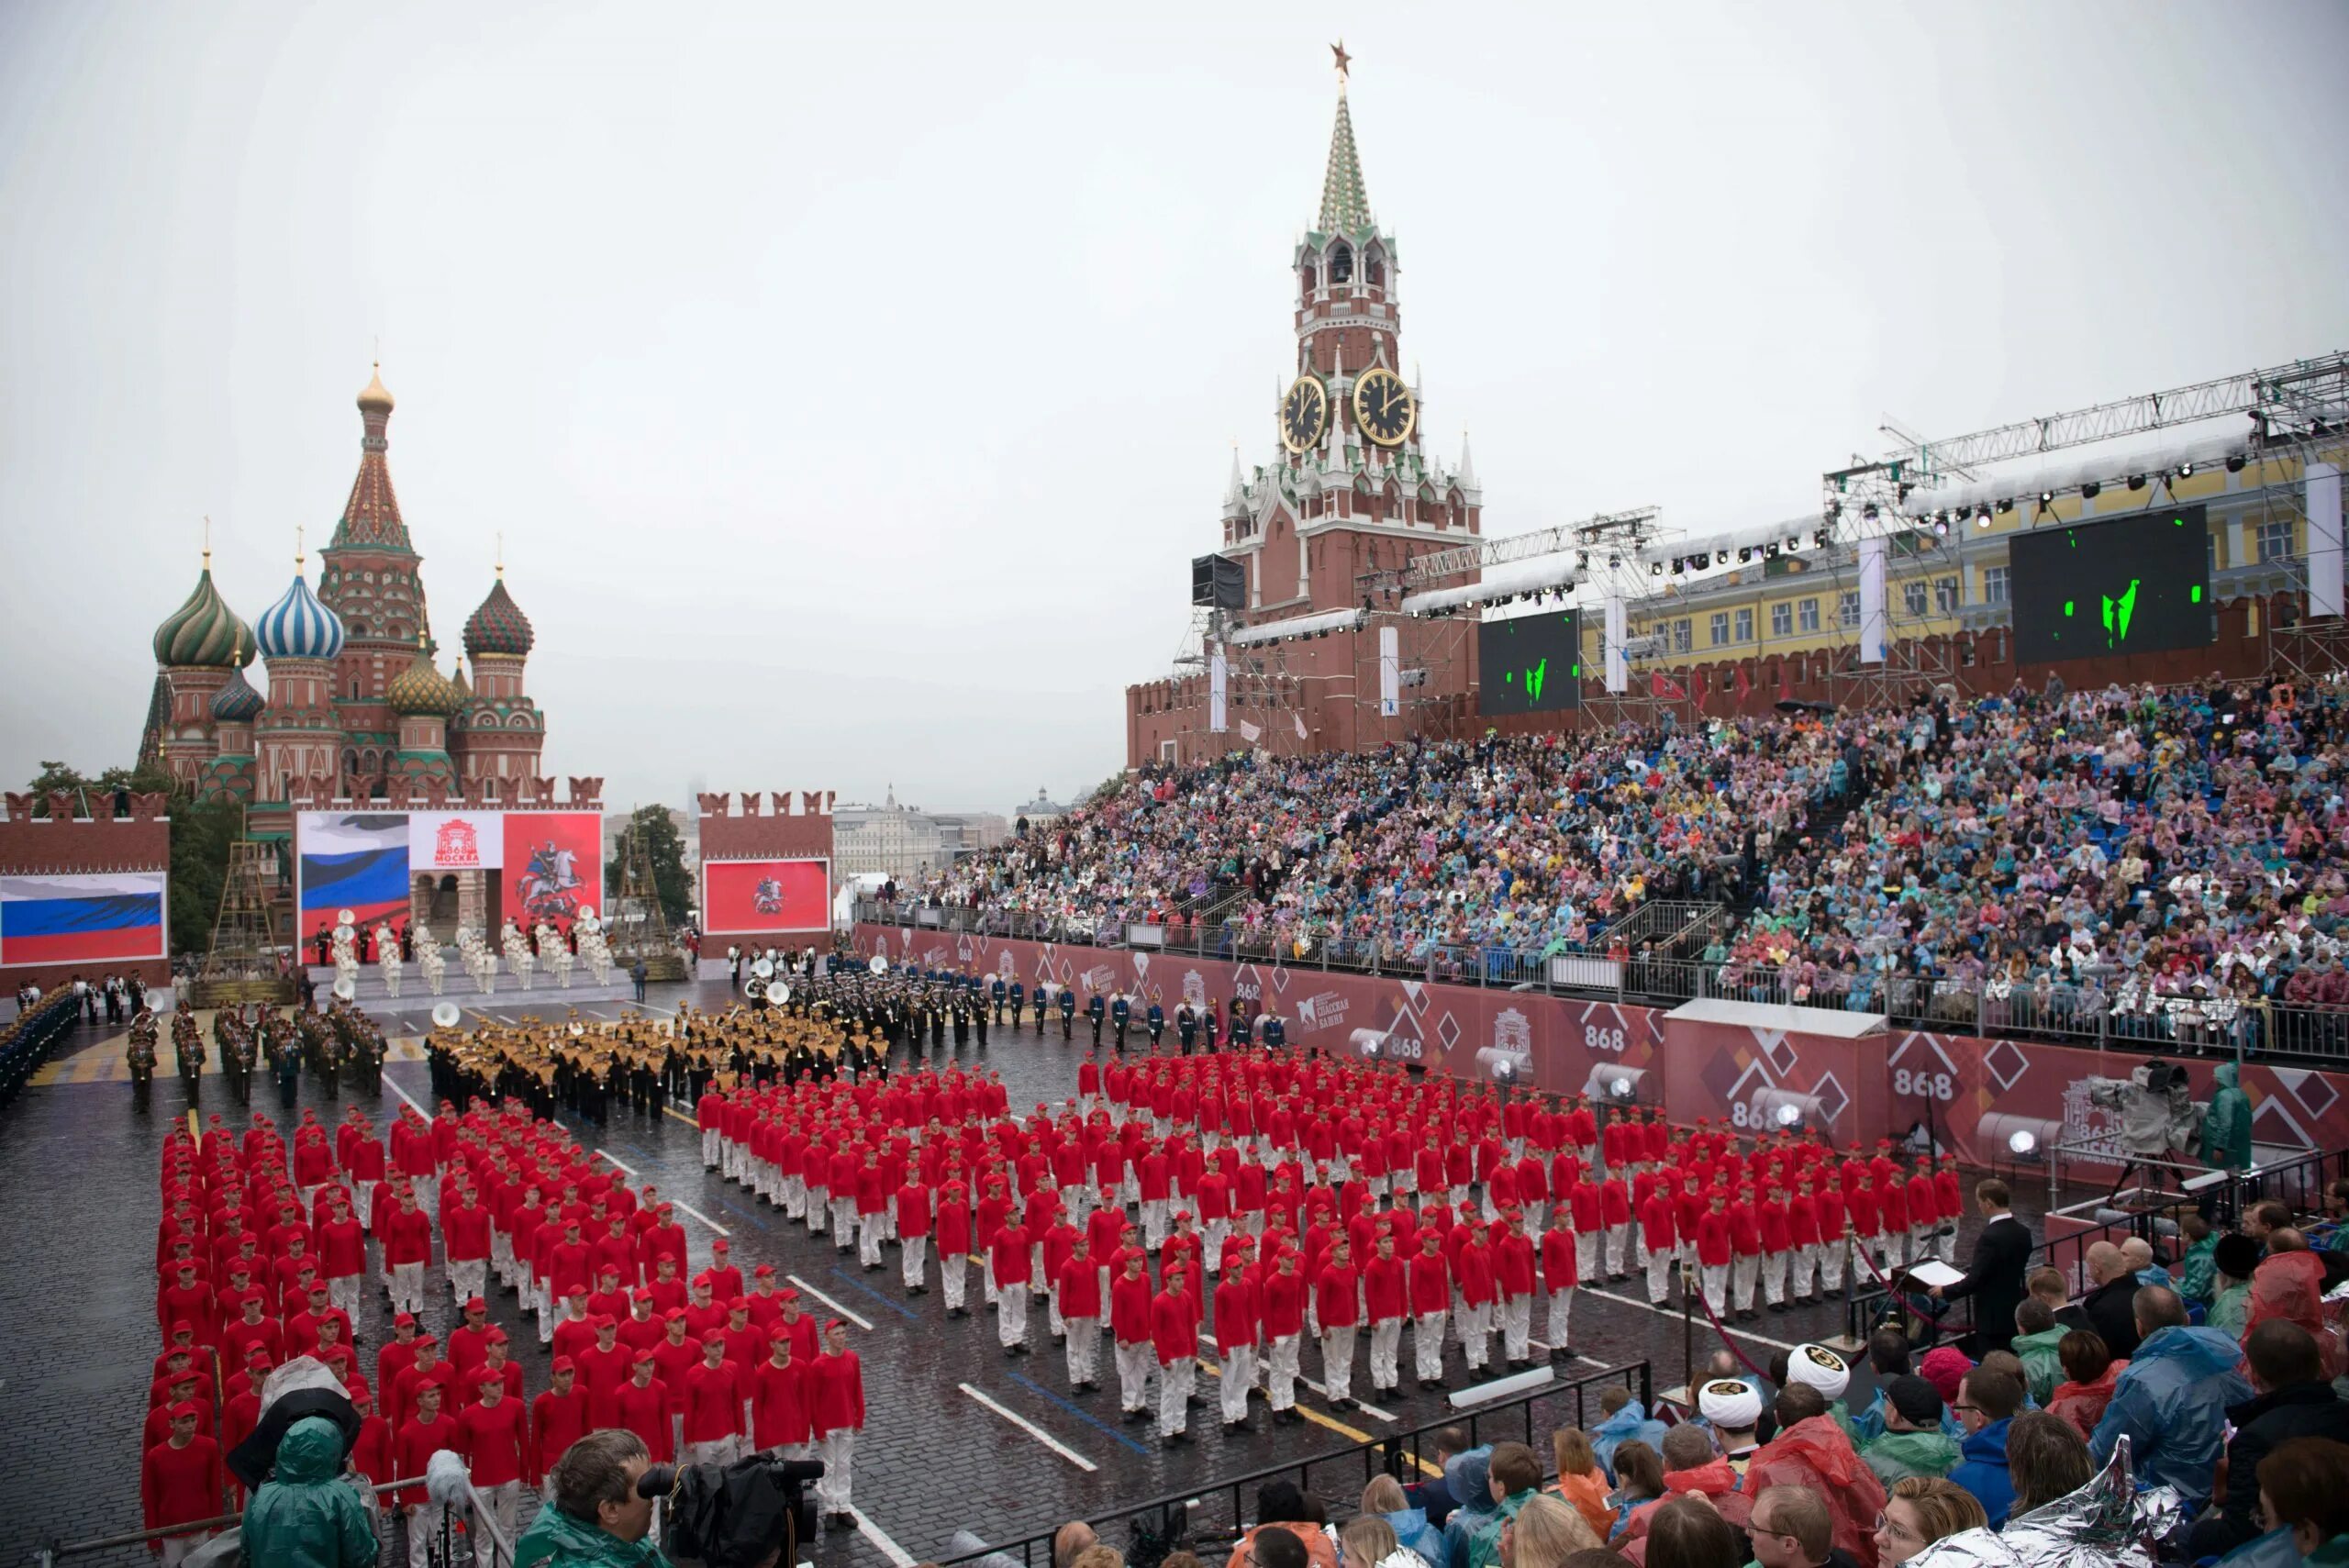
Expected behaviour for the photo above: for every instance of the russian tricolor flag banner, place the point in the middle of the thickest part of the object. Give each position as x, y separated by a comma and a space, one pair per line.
350, 859
92, 919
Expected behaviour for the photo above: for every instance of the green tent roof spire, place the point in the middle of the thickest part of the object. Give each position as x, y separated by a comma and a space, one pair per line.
1345, 207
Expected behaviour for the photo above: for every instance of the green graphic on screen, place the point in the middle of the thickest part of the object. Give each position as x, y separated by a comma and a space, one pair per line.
1530, 664
2133, 584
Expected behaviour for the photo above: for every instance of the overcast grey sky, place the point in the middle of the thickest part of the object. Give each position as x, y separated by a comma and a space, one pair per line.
851, 400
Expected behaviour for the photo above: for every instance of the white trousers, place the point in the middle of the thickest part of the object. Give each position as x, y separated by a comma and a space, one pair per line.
1659, 1277
1427, 1344
843, 1221
1175, 1380
1586, 1254
407, 1287
1475, 1326
717, 1451
1338, 1361
950, 1266
1386, 1342
504, 1507
343, 1291
1280, 1375
1619, 1246
1803, 1270
1715, 1280
709, 1147
1774, 1277
467, 1277
911, 1254
177, 1547
1562, 1308
838, 1449
1830, 1266
1744, 1269
868, 1240
1084, 1342
820, 1209
1517, 1327
1239, 1372
1011, 1316
1134, 1362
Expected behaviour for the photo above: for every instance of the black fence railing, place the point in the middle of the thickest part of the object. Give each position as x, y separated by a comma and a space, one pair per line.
1217, 1511
2103, 1011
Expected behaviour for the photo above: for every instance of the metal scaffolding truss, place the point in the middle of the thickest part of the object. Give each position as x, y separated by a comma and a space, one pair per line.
1481, 555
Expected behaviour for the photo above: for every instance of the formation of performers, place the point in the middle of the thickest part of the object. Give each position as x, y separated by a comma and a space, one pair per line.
265, 1245
340, 1046
1303, 1200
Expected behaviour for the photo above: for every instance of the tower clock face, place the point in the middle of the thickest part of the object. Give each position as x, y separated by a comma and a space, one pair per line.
1305, 414
1383, 407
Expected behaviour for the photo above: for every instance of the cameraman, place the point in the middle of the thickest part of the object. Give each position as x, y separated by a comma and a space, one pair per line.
594, 1517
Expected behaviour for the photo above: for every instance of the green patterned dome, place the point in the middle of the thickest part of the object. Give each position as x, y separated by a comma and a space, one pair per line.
500, 626
421, 689
204, 631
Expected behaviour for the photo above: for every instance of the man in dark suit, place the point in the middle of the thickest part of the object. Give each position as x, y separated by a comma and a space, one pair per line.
1995, 1278
2111, 1306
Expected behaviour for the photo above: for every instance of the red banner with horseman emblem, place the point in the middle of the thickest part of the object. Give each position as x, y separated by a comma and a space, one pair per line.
762, 897
553, 867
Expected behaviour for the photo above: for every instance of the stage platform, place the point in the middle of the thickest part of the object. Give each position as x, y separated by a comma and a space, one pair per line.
457, 985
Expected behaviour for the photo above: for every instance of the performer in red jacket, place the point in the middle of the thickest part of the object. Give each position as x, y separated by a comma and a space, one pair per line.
1130, 1325
181, 1481
714, 1398
494, 1434
1175, 1340
1385, 1293
779, 1415
1560, 1266
1337, 1297
838, 1409
1235, 1333
1078, 1301
1284, 1307
1430, 1281
560, 1418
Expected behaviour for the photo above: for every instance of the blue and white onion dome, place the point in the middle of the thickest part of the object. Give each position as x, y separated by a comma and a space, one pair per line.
298, 626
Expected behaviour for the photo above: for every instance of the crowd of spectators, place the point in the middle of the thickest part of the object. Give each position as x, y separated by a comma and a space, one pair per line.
2147, 863
2123, 1426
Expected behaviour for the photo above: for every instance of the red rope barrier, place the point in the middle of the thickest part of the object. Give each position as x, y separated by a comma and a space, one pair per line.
1700, 1294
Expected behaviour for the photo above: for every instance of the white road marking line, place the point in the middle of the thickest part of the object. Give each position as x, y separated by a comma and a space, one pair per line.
403, 1094
608, 1158
897, 1555
807, 1289
703, 1218
1545, 1349
1032, 1429
649, 1008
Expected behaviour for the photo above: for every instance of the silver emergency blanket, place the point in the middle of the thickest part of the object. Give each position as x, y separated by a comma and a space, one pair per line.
2107, 1521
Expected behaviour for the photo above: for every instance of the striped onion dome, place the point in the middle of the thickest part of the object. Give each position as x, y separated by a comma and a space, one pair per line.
299, 627
421, 689
237, 703
204, 631
498, 626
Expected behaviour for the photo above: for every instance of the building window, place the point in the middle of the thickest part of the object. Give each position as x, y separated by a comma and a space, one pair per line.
2275, 541
1847, 610
1912, 595
1683, 636
1945, 594
1994, 584
1808, 614
1720, 628
1745, 625
1782, 619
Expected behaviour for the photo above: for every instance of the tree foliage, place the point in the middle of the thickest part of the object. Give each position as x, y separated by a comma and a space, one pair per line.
656, 831
201, 835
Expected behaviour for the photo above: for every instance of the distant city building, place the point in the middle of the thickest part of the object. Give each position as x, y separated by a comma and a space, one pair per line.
1041, 810
888, 840
966, 832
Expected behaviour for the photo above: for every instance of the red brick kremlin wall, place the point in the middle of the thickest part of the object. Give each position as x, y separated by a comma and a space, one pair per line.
66, 843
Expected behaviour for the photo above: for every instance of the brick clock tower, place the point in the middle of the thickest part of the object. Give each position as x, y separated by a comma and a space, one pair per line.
1347, 489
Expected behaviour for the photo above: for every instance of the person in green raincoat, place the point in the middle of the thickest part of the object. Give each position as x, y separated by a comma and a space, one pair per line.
305, 1515
593, 1518
2035, 1343
2226, 1127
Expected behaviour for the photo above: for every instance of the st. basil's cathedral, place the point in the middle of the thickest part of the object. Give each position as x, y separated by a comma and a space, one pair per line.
356, 707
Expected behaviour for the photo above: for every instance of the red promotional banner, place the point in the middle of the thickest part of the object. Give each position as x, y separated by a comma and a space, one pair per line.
553, 867
761, 897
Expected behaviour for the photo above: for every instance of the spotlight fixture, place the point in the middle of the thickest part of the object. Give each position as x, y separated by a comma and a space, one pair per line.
1679, 564
1770, 550
2234, 463
1613, 561
1720, 557
2047, 497
1819, 538
1940, 522
1656, 568
2136, 481
1982, 519
2090, 490
2185, 471
1744, 554
1794, 542
1789, 1115
2005, 506
1869, 512
2022, 1141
